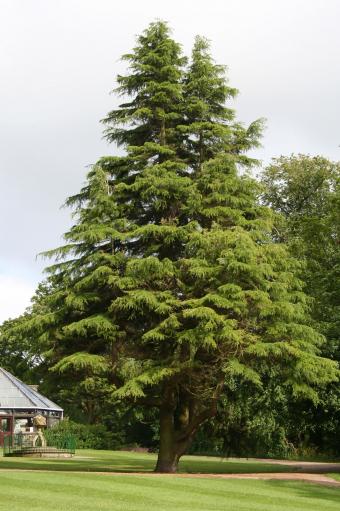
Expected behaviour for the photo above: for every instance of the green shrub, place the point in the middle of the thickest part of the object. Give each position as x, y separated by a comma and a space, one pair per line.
90, 436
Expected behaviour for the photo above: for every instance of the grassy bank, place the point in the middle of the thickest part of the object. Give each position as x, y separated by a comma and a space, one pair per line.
120, 461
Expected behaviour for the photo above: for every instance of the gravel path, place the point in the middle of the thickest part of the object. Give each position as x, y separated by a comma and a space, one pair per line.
313, 467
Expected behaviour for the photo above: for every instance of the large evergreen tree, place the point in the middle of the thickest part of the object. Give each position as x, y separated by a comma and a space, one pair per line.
169, 285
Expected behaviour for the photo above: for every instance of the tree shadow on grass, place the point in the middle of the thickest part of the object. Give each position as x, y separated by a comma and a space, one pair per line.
93, 461
120, 461
308, 490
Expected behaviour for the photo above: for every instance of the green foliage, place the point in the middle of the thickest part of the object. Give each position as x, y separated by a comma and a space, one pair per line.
88, 436
154, 87
20, 354
208, 126
81, 361
305, 192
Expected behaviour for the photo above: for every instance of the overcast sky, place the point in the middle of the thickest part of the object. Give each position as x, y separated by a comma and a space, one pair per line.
58, 61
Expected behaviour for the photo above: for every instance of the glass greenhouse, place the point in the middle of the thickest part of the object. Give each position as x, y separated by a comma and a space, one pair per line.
20, 403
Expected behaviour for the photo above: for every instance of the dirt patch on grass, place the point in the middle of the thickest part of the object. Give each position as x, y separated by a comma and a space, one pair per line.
317, 467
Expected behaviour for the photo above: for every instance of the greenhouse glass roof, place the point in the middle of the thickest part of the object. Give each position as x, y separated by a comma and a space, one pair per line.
16, 395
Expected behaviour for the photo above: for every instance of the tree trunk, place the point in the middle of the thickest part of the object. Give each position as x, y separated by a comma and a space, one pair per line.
200, 163
177, 435
167, 460
170, 448
162, 133
167, 465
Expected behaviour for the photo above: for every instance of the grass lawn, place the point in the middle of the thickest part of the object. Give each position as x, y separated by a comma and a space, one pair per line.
89, 492
121, 461
59, 489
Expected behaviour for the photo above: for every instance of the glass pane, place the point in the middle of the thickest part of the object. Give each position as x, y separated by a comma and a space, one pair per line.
5, 425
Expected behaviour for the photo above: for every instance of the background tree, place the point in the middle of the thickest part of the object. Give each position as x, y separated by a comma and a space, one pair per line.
17, 354
305, 191
169, 286
20, 352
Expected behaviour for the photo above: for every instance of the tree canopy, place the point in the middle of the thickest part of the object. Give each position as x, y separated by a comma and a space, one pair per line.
305, 191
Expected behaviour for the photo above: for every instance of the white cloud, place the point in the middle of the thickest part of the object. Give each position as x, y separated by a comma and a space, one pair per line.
15, 295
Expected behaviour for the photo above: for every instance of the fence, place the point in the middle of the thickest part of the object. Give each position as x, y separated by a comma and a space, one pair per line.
26, 444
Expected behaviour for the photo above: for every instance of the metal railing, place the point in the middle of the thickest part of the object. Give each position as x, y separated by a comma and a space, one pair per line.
21, 444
